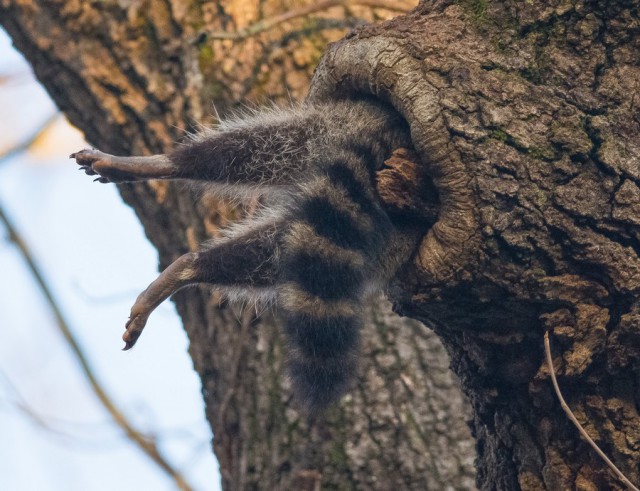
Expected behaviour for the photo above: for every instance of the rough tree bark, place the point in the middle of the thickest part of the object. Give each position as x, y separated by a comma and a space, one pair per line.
525, 115
133, 76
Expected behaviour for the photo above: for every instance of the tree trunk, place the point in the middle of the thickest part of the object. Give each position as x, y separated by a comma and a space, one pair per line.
526, 116
133, 76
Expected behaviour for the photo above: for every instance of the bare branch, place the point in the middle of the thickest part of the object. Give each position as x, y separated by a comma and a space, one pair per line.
20, 403
146, 444
567, 410
270, 22
24, 145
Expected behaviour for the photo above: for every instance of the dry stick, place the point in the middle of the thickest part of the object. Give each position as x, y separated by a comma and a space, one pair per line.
20, 403
24, 145
145, 444
582, 431
270, 22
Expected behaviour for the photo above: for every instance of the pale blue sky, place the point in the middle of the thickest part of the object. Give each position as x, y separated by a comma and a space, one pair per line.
94, 254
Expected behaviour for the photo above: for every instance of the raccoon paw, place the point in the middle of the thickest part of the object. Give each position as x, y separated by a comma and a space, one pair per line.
134, 328
96, 163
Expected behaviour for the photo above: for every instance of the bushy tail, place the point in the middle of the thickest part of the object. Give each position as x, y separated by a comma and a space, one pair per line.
330, 254
322, 359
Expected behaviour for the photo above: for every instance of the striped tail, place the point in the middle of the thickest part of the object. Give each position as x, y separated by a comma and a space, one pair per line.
330, 252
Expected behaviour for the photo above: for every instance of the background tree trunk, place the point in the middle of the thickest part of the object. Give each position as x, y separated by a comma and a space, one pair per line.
133, 76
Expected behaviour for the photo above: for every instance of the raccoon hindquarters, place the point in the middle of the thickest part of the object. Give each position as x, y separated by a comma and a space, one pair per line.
330, 256
322, 243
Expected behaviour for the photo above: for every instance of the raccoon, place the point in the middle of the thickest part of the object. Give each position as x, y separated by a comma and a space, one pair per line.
321, 243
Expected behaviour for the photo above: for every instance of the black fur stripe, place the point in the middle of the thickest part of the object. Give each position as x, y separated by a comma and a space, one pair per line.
364, 152
333, 224
322, 277
322, 337
319, 385
340, 175
325, 361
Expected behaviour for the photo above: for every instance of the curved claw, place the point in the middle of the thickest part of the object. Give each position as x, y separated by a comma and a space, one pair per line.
96, 163
134, 328
87, 159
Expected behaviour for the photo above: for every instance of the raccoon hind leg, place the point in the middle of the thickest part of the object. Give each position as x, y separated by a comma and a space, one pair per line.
248, 262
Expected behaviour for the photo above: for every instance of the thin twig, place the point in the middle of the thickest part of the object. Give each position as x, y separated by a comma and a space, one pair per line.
20, 403
270, 22
50, 425
24, 145
571, 416
318, 25
146, 444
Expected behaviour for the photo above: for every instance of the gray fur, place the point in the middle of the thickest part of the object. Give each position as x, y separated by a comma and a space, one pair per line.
319, 246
